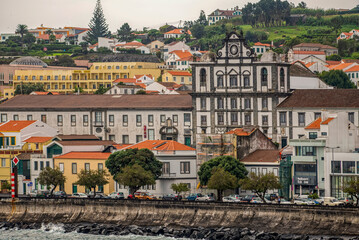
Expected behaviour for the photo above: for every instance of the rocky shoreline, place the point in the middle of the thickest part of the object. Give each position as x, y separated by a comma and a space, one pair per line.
191, 233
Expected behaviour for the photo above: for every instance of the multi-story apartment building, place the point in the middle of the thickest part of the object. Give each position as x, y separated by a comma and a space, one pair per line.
121, 118
65, 80
304, 106
218, 15
236, 90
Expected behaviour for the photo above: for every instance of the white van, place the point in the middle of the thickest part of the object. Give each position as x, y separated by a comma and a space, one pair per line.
332, 201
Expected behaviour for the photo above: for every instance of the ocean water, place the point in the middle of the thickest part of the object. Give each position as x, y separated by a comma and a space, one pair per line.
57, 232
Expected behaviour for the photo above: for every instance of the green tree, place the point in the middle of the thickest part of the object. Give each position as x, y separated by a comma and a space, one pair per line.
179, 187
29, 39
222, 180
64, 60
334, 57
153, 34
355, 55
98, 26
27, 88
22, 30
302, 5
78, 89
141, 92
202, 20
228, 163
51, 177
92, 178
101, 90
197, 31
135, 177
125, 33
49, 32
337, 78
260, 184
104, 50
352, 188
52, 38
117, 161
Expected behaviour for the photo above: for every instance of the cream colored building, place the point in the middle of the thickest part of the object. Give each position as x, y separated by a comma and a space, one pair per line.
179, 77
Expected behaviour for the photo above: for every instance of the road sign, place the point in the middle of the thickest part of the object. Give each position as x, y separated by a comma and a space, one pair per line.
29, 184
15, 161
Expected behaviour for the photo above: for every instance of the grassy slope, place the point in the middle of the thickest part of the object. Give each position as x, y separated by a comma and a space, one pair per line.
290, 31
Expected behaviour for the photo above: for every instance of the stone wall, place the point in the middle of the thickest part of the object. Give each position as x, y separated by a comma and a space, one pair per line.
313, 220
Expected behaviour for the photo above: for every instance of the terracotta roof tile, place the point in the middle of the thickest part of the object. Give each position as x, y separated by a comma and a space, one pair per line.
38, 139
333, 62
309, 52
179, 73
182, 54
125, 80
353, 69
340, 66
15, 126
241, 131
259, 156
162, 145
262, 44
47, 36
314, 45
315, 124
121, 146
178, 31
310, 64
326, 121
84, 155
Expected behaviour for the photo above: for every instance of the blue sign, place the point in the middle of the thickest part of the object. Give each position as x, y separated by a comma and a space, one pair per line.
29, 184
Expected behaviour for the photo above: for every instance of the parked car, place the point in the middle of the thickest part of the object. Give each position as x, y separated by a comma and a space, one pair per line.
346, 200
235, 197
205, 198
194, 196
227, 199
33, 193
331, 201
145, 196
43, 193
256, 200
248, 198
59, 194
98, 195
300, 201
318, 201
79, 195
172, 197
117, 195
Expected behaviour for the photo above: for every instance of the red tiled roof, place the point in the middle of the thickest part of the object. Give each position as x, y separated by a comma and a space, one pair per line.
315, 124
38, 139
15, 126
309, 64
182, 54
162, 145
262, 44
326, 121
125, 80
340, 66
46, 93
130, 44
267, 156
121, 146
309, 52
353, 69
93, 46
179, 73
241, 132
47, 36
147, 75
178, 31
84, 155
142, 85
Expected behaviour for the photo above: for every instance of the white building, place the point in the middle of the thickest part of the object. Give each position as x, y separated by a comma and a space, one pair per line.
295, 55
179, 166
167, 49
179, 59
260, 48
124, 89
176, 33
218, 15
5, 36
121, 118
305, 106
301, 77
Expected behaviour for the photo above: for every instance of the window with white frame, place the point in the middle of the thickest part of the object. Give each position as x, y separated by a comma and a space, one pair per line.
185, 167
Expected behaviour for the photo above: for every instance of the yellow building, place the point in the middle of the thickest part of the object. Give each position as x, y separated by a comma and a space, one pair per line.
73, 162
100, 74
179, 77
8, 93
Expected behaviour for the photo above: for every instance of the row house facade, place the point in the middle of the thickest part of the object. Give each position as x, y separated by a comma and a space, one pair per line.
120, 118
237, 90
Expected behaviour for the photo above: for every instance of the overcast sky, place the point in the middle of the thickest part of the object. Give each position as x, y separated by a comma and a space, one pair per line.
138, 13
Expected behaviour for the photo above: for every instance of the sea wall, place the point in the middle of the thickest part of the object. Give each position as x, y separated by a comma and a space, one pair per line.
313, 220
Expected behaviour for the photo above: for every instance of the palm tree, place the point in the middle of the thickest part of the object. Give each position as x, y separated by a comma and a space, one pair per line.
48, 31
22, 30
